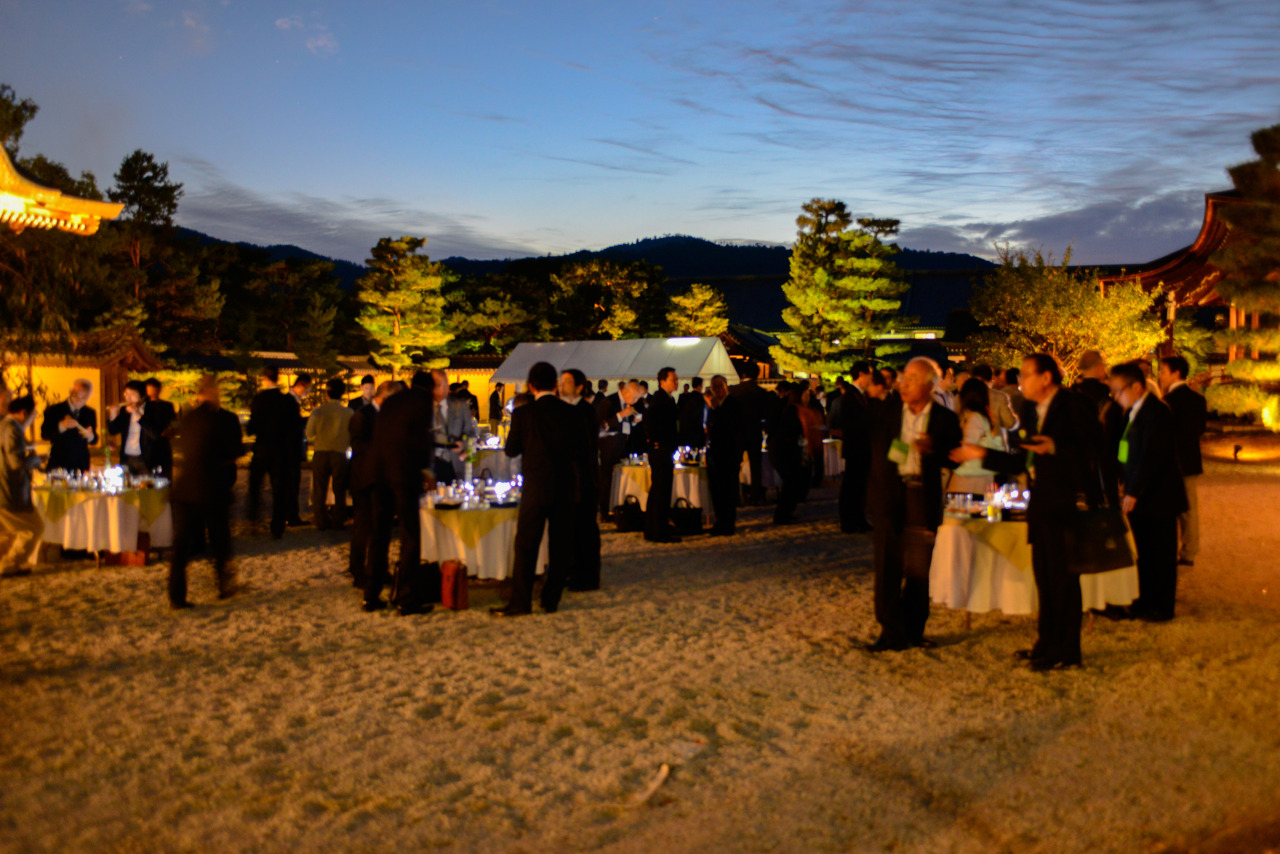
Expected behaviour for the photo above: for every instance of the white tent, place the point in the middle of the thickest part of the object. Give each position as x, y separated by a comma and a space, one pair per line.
637, 358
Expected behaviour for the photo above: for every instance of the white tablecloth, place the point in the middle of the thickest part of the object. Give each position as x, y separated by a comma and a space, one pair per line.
490, 555
832, 461
767, 474
107, 523
972, 575
690, 483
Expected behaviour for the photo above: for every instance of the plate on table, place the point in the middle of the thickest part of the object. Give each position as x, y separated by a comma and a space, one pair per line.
443, 506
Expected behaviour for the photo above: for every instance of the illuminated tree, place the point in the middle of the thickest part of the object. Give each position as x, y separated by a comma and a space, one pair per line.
1250, 265
602, 299
699, 312
492, 314
1030, 305
843, 290
402, 305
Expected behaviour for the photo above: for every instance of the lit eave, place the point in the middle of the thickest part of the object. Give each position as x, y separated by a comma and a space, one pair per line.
26, 204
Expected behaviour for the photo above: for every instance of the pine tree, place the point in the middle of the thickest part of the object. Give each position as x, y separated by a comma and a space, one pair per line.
699, 312
602, 299
842, 290
1250, 265
403, 305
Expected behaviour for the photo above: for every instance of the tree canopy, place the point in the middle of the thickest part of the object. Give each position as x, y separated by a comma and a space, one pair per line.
699, 312
402, 305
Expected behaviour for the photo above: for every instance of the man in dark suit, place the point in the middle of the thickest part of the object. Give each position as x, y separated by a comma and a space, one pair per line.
70, 428
585, 572
293, 449
1154, 495
724, 455
757, 407
1190, 417
370, 530
139, 428
693, 409
211, 443
855, 448
166, 419
495, 407
910, 439
544, 434
264, 427
403, 449
367, 393
1062, 449
662, 432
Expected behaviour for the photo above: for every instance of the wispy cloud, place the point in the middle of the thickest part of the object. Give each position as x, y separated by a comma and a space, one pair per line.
322, 43
315, 37
339, 228
137, 7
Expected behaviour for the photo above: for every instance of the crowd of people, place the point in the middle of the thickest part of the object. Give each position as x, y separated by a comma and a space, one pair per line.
1120, 437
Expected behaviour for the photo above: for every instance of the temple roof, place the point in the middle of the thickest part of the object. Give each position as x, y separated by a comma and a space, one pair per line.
116, 345
26, 204
1188, 273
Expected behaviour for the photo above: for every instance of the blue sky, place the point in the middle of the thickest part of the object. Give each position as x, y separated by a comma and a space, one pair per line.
498, 129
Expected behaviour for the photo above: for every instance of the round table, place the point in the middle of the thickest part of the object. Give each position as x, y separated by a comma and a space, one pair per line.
981, 566
689, 483
484, 540
832, 459
104, 521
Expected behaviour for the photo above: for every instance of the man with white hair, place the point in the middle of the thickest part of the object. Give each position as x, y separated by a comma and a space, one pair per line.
912, 437
70, 428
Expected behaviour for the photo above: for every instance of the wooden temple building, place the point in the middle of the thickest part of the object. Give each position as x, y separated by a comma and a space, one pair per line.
26, 204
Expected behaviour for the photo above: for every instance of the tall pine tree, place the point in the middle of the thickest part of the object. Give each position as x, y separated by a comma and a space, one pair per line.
1250, 265
403, 305
843, 290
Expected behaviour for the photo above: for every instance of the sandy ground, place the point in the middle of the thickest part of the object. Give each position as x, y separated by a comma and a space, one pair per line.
288, 720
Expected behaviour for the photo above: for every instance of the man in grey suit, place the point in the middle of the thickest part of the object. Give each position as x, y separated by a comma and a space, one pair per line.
452, 421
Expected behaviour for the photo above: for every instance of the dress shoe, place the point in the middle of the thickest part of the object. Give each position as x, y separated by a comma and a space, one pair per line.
232, 589
1155, 617
508, 611
1026, 654
1182, 561
296, 523
669, 538
885, 644
372, 605
412, 610
1044, 665
15, 571
180, 606
925, 643
786, 520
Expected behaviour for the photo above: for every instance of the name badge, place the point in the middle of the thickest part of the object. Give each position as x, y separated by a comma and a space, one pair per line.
1122, 453
898, 451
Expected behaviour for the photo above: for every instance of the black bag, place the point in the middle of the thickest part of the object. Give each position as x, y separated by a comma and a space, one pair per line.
1098, 541
628, 516
686, 518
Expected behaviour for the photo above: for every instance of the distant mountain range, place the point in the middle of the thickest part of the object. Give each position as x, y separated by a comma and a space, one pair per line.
749, 274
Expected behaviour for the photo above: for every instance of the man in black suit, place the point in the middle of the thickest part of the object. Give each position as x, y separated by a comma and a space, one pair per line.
495, 407
370, 530
1190, 417
585, 572
662, 432
1062, 449
264, 427
211, 443
855, 448
293, 449
546, 434
1154, 495
693, 409
724, 455
166, 420
403, 448
139, 427
910, 439
367, 392
70, 428
757, 407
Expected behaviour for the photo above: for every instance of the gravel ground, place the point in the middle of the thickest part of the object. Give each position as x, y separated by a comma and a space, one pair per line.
286, 719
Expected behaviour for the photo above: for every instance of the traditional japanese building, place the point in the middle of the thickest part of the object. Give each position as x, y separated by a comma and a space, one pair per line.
26, 204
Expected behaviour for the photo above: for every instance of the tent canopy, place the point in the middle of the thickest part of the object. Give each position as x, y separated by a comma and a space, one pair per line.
637, 358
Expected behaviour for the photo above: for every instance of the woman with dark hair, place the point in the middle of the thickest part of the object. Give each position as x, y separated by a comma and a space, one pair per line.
785, 453
812, 421
975, 422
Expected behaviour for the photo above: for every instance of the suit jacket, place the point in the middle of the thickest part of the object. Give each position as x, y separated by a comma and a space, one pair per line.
606, 414
758, 406
661, 423
292, 429
692, 406
211, 441
885, 484
1071, 471
461, 421
785, 430
403, 445
362, 473
264, 421
1189, 417
495, 407
724, 435
855, 429
67, 448
165, 413
547, 435
589, 467
155, 448
1151, 473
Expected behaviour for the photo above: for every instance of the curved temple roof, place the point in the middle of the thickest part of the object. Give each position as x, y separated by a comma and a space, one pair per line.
26, 204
